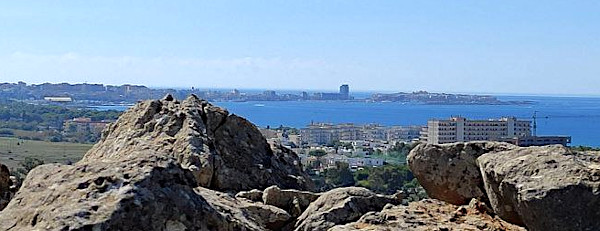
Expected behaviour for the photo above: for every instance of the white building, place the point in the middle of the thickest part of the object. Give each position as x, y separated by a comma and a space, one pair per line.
460, 129
326, 133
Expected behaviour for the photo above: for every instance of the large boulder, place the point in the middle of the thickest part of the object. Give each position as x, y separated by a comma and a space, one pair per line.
449, 172
291, 200
341, 206
152, 170
252, 195
223, 151
266, 216
431, 214
147, 192
544, 188
6, 184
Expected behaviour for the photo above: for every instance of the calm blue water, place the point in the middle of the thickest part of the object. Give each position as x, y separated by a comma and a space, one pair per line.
575, 116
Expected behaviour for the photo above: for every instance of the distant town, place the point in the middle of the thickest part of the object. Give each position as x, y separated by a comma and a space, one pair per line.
99, 94
30, 112
370, 145
64, 113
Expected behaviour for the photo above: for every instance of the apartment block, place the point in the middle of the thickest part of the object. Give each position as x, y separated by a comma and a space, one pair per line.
460, 129
326, 133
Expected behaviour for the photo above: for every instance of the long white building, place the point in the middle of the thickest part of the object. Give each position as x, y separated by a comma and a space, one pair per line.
325, 133
460, 129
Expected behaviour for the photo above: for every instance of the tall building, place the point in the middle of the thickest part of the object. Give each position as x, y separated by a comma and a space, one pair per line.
343, 94
345, 90
460, 129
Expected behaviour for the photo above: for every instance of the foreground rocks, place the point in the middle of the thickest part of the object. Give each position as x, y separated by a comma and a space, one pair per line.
293, 201
159, 168
341, 206
212, 144
449, 172
431, 214
6, 186
150, 192
170, 165
544, 188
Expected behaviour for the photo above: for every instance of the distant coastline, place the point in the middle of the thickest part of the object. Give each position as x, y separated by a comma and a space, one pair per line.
99, 94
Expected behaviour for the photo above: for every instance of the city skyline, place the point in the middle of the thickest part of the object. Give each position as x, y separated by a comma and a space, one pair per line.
515, 47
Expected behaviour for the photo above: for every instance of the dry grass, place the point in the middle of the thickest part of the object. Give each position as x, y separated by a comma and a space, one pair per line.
13, 150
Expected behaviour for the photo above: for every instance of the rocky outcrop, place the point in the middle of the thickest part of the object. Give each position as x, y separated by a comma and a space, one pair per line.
147, 192
170, 165
265, 216
6, 186
292, 201
252, 195
212, 144
341, 206
158, 168
431, 214
544, 188
449, 172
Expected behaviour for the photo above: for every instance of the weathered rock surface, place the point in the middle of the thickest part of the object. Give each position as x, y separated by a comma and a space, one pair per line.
266, 216
169, 165
545, 188
6, 192
430, 214
146, 171
214, 145
148, 192
449, 172
341, 206
252, 195
292, 201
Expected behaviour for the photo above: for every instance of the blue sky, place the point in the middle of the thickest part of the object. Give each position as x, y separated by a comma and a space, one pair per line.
531, 47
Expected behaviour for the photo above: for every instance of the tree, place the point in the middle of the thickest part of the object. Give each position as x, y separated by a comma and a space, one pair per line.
376, 182
317, 152
340, 176
27, 165
385, 179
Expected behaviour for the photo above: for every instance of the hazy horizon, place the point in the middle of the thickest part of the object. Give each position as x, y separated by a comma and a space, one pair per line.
513, 47
360, 92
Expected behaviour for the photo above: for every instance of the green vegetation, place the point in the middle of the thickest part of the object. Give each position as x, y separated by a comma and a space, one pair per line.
26, 166
395, 155
339, 144
317, 152
387, 179
45, 122
14, 151
341, 176
584, 148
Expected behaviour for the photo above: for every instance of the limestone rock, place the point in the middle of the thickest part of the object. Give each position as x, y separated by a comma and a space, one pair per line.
292, 201
266, 216
6, 191
252, 195
223, 151
152, 170
449, 172
431, 214
146, 192
544, 188
341, 206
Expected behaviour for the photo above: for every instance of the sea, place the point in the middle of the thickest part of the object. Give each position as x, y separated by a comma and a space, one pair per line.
578, 117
